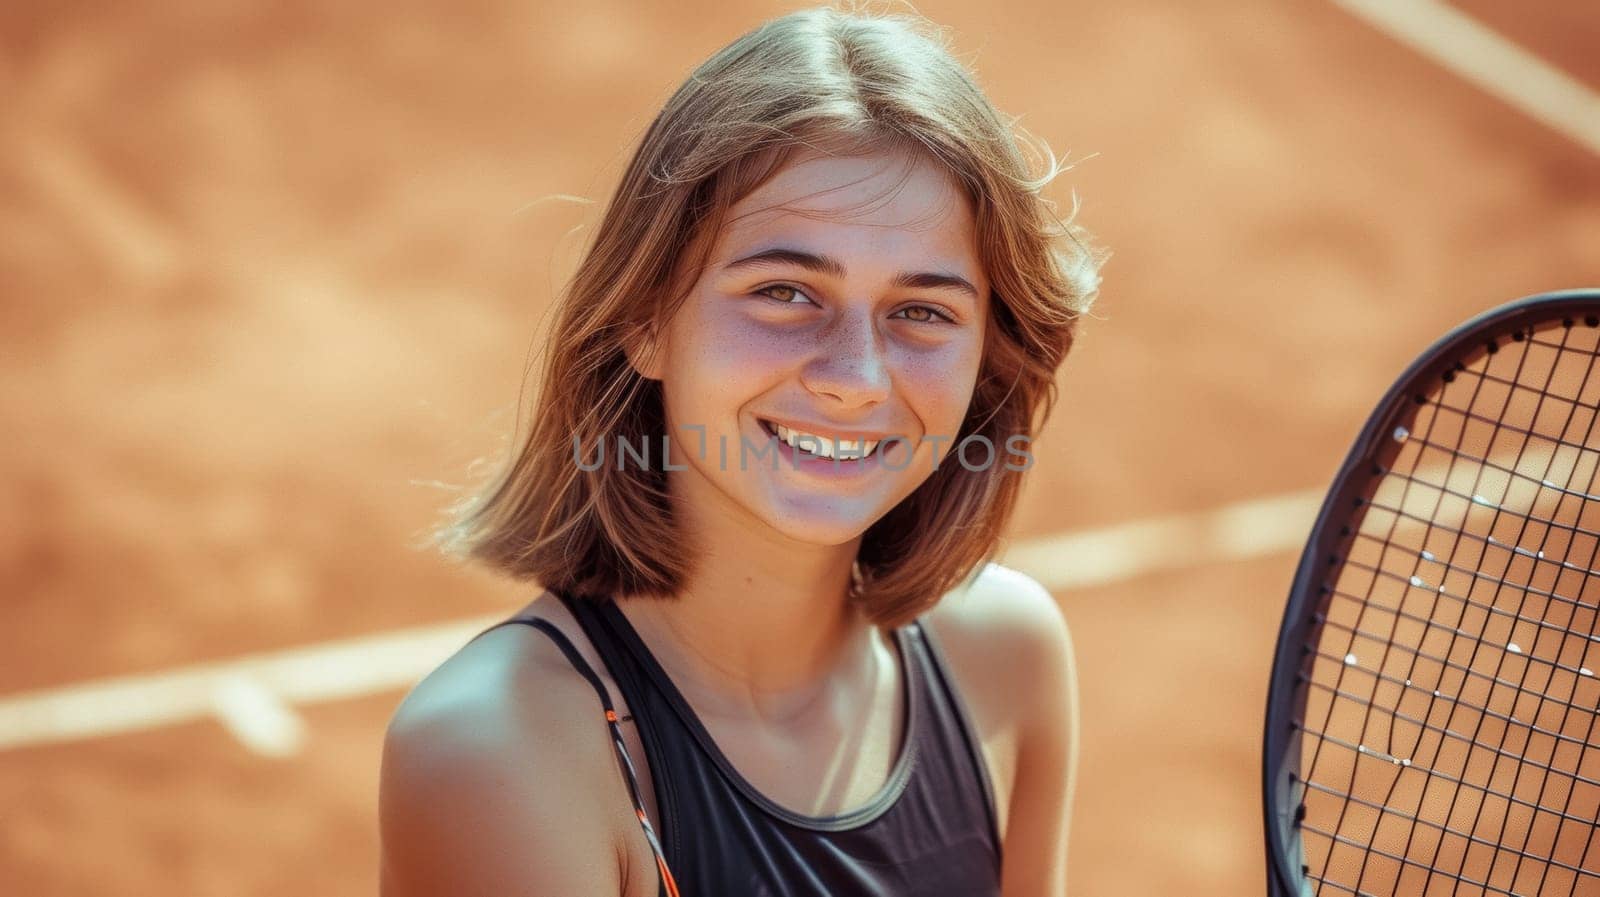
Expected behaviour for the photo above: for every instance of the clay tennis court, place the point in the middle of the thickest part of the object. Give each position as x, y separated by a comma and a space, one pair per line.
270, 275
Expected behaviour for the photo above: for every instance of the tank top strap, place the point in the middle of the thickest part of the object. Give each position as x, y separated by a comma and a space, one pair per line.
634, 682
954, 718
669, 887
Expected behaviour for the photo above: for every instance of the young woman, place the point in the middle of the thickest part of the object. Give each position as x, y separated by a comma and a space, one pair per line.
781, 428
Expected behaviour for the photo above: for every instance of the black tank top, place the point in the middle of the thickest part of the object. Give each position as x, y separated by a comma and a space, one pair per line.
930, 830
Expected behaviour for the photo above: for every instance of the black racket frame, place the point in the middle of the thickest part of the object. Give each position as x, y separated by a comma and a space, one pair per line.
1333, 532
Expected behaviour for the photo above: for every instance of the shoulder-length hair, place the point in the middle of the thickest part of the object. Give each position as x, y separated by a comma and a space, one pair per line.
809, 78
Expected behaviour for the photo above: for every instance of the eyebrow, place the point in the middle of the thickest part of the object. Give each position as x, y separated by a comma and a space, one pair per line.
822, 264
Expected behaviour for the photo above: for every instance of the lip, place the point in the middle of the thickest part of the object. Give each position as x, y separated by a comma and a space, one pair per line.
816, 465
830, 432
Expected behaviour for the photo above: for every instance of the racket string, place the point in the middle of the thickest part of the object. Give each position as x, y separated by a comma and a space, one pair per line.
1501, 426
1510, 471
1433, 416
1432, 871
1418, 582
1476, 499
1489, 541
1544, 777
1340, 886
1519, 771
1434, 625
1388, 642
1450, 733
1445, 829
1565, 629
1431, 768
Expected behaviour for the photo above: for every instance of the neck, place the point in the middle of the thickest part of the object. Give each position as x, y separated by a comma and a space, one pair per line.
763, 627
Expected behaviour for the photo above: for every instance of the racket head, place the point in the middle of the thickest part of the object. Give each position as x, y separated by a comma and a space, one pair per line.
1376, 849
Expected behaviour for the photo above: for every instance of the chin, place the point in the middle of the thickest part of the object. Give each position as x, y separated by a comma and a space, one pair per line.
817, 528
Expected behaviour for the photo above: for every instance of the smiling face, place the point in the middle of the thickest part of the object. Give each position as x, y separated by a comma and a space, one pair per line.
844, 298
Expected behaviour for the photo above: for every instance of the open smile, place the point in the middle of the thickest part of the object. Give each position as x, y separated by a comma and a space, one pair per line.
819, 454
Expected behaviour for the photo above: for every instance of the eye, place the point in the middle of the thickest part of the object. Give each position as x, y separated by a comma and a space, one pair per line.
933, 315
782, 293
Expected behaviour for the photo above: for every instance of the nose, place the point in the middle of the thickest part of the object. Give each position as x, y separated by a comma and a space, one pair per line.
849, 365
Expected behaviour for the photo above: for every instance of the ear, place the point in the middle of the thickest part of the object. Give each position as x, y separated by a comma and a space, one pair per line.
644, 351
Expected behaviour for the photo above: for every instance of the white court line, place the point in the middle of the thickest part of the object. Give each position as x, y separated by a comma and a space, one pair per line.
117, 226
330, 671
258, 717
253, 695
1230, 533
1498, 66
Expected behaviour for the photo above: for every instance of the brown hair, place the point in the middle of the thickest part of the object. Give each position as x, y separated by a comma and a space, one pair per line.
815, 76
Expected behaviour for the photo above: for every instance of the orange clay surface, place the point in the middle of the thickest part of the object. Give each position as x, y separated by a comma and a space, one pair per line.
270, 271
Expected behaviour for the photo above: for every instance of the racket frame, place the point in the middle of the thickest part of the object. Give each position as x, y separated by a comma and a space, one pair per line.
1334, 530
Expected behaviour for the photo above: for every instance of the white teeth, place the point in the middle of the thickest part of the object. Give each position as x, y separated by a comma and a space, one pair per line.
845, 449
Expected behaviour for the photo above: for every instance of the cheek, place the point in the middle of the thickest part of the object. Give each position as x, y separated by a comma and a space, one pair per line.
739, 346
939, 382
728, 358
955, 361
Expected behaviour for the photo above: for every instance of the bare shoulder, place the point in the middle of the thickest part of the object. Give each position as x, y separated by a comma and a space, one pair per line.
494, 781
1007, 621
1010, 655
1000, 596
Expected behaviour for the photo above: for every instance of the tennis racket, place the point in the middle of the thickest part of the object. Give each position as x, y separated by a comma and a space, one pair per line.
1431, 724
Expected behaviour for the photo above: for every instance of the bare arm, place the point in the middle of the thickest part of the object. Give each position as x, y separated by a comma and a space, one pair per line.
486, 797
1035, 853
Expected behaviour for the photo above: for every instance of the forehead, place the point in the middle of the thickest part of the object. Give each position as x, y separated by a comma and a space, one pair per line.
878, 202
